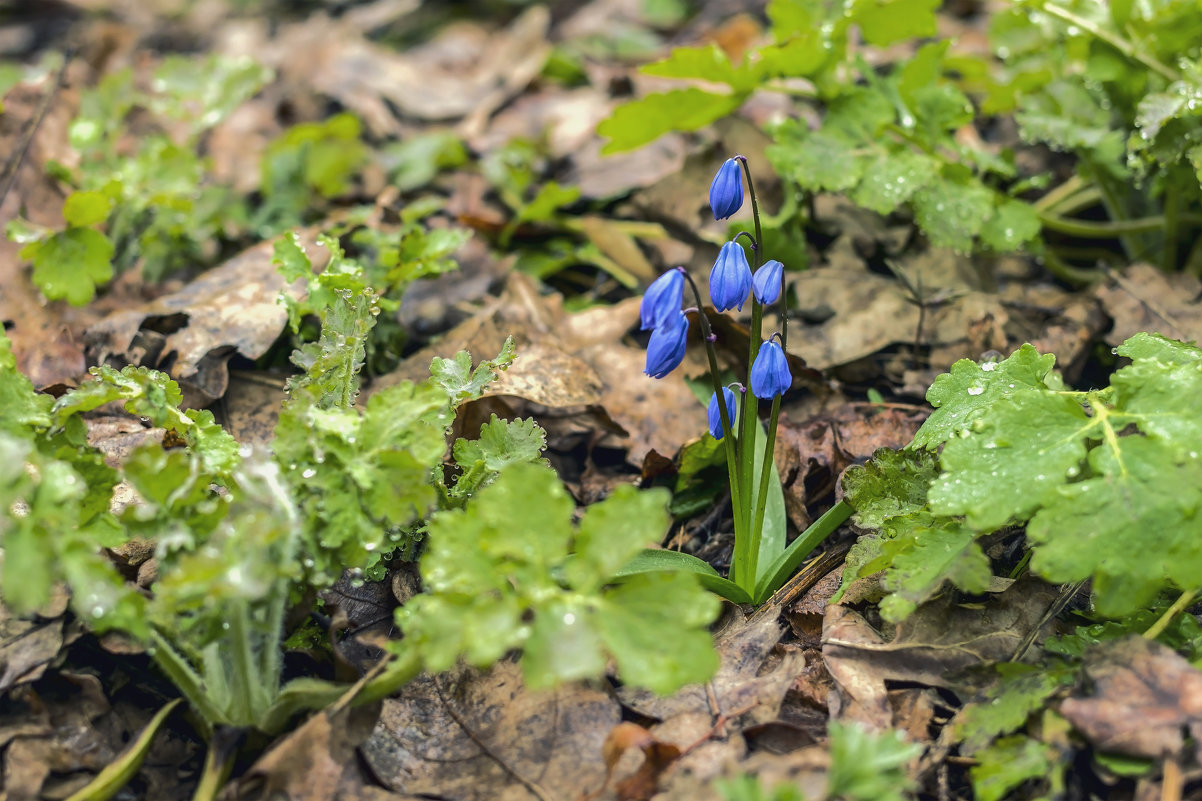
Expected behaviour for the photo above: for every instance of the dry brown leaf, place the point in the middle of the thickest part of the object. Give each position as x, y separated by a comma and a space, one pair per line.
657, 757
1144, 697
929, 647
470, 735
1143, 298
311, 763
191, 334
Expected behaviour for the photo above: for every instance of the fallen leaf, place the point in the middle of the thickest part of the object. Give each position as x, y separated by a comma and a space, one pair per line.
1143, 298
469, 735
1144, 697
927, 648
191, 334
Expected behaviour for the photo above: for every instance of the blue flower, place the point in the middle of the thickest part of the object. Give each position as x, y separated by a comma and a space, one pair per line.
770, 374
665, 350
726, 192
730, 279
662, 299
765, 284
715, 414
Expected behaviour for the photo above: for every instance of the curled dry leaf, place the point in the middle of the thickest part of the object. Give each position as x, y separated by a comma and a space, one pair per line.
657, 756
1144, 697
191, 334
940, 639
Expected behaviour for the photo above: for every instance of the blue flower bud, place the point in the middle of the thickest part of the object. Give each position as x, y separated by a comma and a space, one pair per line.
770, 374
662, 299
765, 284
730, 279
715, 414
726, 192
665, 350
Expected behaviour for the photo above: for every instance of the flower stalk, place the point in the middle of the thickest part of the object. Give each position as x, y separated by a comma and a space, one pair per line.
761, 561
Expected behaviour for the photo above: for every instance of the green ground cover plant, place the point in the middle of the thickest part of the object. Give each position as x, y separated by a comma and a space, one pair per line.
1101, 485
1114, 85
243, 534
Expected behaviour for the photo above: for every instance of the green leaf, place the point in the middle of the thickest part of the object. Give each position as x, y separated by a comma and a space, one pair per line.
891, 484
492, 587
952, 210
706, 63
891, 179
927, 554
86, 208
461, 382
1027, 446
1134, 526
21, 408
970, 390
71, 264
1013, 224
1005, 708
654, 560
1004, 766
884, 22
642, 121
867, 766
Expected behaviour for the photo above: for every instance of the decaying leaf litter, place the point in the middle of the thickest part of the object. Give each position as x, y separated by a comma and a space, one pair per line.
408, 70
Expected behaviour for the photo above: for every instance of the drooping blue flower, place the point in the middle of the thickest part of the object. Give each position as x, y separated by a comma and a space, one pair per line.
665, 350
765, 284
662, 299
726, 192
730, 279
715, 414
770, 374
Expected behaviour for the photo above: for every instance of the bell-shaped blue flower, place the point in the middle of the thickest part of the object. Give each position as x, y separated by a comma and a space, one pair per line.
715, 414
665, 350
765, 284
730, 279
726, 192
770, 374
662, 299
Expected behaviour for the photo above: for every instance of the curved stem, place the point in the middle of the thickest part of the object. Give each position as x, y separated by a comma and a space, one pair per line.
1163, 622
1120, 44
733, 466
1112, 228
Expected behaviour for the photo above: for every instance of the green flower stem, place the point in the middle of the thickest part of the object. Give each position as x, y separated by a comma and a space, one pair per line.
1113, 228
1067, 273
1177, 608
745, 553
734, 468
1127, 48
742, 559
1059, 194
757, 527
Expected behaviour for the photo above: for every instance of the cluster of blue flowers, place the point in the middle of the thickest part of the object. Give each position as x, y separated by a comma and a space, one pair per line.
731, 282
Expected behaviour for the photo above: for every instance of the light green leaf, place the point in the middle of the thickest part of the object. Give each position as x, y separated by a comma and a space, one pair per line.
884, 22
71, 264
1013, 224
641, 121
929, 553
1134, 526
86, 208
952, 210
1009, 762
965, 394
1028, 446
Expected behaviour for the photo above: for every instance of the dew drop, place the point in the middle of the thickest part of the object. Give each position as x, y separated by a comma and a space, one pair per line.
569, 619
989, 367
309, 473
975, 390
